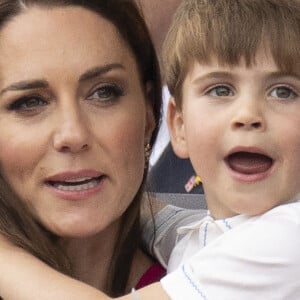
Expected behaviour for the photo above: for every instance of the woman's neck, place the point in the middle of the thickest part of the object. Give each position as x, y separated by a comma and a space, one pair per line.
90, 256
140, 264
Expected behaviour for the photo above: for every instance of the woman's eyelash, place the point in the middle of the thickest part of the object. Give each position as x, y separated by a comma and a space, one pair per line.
107, 92
30, 103
27, 103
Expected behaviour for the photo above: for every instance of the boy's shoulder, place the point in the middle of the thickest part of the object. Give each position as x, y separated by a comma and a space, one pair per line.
279, 225
259, 252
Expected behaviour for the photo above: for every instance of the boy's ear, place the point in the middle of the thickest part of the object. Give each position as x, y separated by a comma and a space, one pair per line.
177, 130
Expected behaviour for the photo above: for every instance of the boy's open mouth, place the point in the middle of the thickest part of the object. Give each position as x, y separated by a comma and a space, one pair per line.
248, 162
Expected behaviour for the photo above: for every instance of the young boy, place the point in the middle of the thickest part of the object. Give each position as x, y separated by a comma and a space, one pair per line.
233, 69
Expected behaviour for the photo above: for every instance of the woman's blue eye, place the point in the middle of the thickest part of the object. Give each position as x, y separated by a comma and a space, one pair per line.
220, 91
283, 92
106, 93
28, 103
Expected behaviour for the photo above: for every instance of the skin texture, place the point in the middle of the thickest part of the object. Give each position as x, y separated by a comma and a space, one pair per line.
235, 108
250, 108
61, 117
224, 109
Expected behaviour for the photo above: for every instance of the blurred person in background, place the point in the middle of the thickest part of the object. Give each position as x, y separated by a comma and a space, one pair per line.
167, 172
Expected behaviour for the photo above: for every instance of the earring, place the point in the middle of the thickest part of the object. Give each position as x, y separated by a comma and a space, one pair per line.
147, 154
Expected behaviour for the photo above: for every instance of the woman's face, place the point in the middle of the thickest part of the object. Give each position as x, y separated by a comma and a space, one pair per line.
73, 118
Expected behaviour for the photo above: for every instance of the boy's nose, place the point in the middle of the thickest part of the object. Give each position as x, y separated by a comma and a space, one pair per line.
248, 116
247, 124
72, 132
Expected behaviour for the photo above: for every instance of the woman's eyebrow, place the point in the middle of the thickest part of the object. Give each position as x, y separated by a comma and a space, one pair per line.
25, 85
98, 71
40, 83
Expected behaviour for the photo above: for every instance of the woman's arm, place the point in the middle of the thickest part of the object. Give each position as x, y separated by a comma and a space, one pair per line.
25, 277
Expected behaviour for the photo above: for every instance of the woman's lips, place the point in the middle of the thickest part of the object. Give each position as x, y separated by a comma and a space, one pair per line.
74, 175
249, 166
75, 185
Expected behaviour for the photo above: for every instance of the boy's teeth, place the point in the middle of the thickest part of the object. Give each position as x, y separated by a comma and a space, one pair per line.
64, 186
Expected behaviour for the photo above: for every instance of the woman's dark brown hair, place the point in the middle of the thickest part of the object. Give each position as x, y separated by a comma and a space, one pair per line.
16, 221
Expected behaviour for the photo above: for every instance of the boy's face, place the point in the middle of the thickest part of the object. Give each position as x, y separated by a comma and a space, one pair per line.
241, 129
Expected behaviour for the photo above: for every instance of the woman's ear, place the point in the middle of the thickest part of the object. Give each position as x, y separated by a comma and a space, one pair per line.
177, 130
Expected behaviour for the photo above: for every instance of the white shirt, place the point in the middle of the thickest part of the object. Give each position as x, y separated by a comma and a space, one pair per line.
239, 258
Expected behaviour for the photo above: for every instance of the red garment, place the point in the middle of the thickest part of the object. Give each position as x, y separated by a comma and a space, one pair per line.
153, 274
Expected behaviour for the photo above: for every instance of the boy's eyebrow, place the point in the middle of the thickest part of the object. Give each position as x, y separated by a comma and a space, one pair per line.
276, 75
26, 85
98, 71
221, 75
213, 75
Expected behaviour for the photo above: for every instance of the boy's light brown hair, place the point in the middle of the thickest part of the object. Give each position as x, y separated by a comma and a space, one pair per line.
230, 30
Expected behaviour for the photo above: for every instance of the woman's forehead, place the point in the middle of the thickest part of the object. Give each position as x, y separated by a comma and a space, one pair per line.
60, 39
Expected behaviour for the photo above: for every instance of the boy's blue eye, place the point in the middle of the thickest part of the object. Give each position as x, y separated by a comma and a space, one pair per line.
283, 92
27, 103
220, 91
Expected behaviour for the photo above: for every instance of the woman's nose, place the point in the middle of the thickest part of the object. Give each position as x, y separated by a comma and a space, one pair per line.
72, 132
